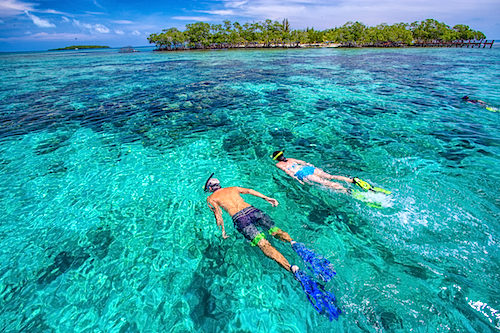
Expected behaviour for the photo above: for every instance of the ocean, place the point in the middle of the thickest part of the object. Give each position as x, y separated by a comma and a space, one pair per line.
104, 224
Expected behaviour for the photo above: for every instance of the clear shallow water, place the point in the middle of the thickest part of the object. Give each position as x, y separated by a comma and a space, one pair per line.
104, 225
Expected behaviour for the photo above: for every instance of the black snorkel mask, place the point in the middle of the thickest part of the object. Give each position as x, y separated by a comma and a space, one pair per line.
279, 156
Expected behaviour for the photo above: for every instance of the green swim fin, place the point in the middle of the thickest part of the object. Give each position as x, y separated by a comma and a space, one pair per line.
365, 186
361, 183
361, 197
381, 190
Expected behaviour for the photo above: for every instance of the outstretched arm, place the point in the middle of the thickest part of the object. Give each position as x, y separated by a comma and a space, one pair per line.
272, 201
214, 207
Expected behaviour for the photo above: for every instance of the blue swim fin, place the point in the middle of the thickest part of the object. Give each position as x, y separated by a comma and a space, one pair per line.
318, 264
323, 301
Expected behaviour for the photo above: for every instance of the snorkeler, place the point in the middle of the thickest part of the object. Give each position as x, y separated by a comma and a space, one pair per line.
473, 101
480, 103
247, 218
306, 172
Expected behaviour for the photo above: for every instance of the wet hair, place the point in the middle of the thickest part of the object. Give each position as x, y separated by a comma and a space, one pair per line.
278, 155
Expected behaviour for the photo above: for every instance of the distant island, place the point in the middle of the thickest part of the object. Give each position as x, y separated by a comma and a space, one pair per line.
268, 34
80, 47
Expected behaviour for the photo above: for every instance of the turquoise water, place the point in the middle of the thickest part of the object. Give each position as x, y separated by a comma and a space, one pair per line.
104, 225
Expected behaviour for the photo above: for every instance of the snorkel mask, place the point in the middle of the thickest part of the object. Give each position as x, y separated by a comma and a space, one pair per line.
278, 156
212, 184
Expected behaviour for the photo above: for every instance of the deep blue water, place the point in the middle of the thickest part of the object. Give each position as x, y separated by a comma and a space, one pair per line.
104, 225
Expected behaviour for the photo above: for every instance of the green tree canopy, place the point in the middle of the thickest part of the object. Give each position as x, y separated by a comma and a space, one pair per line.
270, 33
198, 34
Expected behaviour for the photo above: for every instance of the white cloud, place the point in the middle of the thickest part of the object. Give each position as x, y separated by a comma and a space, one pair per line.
9, 8
97, 4
14, 7
91, 27
122, 22
50, 11
136, 33
101, 29
222, 12
39, 22
235, 4
78, 24
119, 32
323, 14
94, 13
191, 18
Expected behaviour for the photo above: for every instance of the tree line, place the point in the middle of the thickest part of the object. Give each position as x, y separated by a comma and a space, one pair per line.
268, 33
80, 47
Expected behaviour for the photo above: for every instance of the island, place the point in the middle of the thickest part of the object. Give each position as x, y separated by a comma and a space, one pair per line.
80, 47
271, 34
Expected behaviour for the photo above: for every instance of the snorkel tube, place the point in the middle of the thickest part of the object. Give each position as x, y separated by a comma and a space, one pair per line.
278, 155
205, 188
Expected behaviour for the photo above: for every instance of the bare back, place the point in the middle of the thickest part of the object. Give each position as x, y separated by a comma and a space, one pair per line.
229, 199
292, 165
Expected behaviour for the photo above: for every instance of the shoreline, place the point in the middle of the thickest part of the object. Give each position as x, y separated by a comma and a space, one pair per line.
80, 47
385, 45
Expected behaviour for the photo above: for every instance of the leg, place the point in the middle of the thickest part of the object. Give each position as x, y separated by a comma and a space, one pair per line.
267, 223
274, 254
346, 179
335, 186
320, 173
281, 235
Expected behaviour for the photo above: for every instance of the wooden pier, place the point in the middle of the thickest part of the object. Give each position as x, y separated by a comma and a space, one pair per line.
457, 43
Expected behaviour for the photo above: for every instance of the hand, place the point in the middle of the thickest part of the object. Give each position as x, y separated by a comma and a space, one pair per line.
272, 201
300, 181
224, 235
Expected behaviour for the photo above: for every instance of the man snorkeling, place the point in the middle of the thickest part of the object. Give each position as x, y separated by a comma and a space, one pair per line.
247, 218
306, 172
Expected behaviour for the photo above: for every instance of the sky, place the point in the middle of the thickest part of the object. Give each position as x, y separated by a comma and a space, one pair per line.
34, 25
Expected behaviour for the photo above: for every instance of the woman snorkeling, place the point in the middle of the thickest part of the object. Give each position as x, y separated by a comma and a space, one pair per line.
306, 172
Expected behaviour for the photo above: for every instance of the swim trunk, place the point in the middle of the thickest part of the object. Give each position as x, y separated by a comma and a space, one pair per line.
304, 172
247, 220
